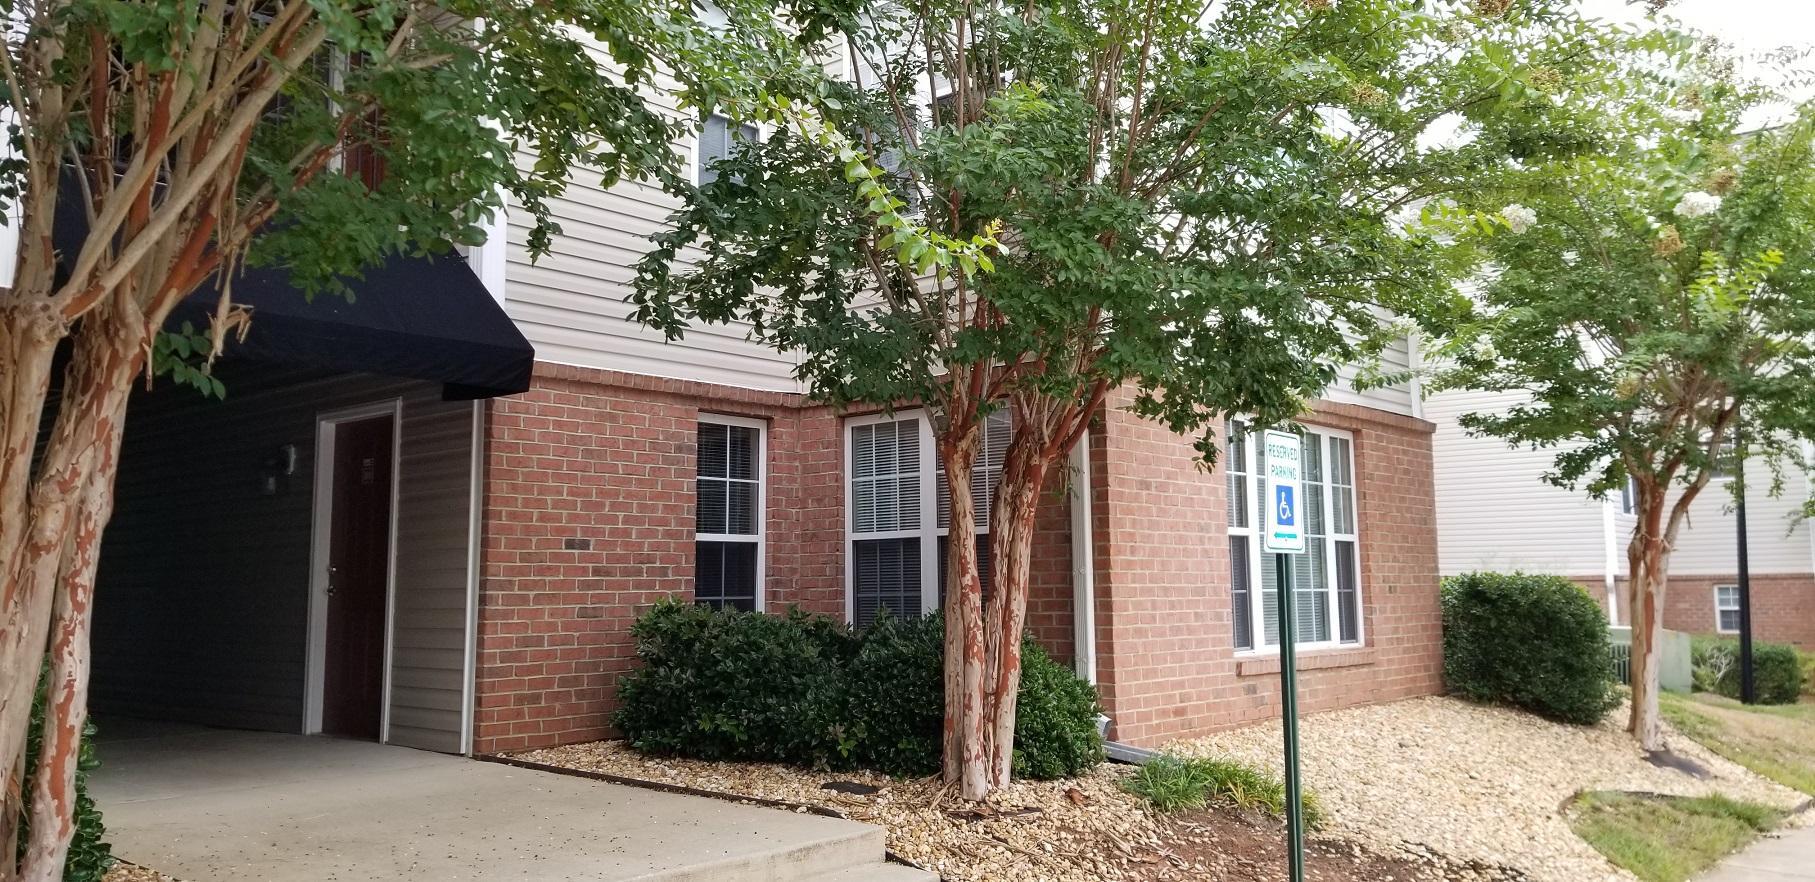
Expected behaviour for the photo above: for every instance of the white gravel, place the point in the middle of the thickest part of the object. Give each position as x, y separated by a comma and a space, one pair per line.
1478, 783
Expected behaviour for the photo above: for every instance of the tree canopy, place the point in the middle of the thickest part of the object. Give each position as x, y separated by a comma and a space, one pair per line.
1210, 208
1652, 302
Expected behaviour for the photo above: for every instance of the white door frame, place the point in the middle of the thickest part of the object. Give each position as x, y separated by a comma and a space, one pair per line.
321, 533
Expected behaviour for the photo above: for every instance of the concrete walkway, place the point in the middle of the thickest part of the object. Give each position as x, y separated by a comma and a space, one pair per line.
206, 805
1787, 857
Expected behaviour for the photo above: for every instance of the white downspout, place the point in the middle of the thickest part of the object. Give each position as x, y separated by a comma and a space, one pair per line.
1083, 564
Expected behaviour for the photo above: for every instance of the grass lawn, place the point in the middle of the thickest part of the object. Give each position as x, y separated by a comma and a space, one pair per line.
1776, 741
1667, 839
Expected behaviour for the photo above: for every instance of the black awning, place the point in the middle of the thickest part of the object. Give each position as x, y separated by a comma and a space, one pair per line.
417, 317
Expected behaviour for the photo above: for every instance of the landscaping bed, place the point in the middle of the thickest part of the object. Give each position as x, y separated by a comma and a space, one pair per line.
1080, 830
1480, 784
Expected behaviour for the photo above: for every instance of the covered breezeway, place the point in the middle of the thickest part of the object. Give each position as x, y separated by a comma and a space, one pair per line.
302, 555
298, 558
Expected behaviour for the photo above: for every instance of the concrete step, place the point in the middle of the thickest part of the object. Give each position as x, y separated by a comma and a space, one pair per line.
883, 872
828, 848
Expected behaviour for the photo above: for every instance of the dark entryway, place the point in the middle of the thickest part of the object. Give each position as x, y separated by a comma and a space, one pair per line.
359, 553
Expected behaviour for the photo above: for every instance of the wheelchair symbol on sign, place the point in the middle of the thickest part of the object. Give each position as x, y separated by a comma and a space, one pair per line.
1283, 502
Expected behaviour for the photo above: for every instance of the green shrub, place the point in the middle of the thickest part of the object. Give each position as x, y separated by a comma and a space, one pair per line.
89, 856
1530, 641
736, 686
1808, 674
1173, 783
1055, 721
1776, 669
895, 696
805, 690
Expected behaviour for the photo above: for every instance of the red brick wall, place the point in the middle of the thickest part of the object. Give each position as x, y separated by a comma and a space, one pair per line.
1783, 604
1167, 665
589, 494
589, 518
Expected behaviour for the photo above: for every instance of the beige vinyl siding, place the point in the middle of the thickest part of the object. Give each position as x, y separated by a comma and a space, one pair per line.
429, 612
1396, 361
571, 305
1777, 542
1494, 510
203, 593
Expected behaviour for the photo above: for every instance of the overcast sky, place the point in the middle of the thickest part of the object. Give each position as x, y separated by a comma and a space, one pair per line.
1750, 25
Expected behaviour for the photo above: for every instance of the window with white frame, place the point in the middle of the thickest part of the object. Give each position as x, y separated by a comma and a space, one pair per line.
718, 139
900, 513
728, 514
1325, 579
1629, 495
1726, 609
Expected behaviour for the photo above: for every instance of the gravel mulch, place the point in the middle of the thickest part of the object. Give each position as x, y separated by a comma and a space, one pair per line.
1083, 830
1479, 784
125, 872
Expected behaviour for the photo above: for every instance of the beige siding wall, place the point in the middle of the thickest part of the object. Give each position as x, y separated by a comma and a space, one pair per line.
1494, 510
1777, 542
434, 561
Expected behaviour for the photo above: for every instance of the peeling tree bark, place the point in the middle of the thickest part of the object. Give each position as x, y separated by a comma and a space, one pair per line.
108, 374
966, 758
1011, 546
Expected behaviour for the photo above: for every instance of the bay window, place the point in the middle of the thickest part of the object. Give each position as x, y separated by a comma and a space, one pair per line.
1325, 579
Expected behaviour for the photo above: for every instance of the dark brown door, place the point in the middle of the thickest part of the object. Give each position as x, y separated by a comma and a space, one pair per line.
359, 546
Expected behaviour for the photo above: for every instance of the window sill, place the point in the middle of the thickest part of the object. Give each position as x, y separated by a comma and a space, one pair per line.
1312, 660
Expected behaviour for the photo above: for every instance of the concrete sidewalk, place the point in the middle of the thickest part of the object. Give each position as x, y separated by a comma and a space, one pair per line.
206, 805
1786, 857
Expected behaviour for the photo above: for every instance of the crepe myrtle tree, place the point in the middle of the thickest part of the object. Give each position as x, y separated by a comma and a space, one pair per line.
194, 135
1654, 303
1204, 210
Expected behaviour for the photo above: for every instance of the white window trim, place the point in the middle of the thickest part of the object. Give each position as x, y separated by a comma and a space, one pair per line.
1718, 609
761, 539
1257, 591
928, 531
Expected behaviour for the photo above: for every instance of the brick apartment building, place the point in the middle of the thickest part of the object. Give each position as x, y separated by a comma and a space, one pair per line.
1495, 512
447, 551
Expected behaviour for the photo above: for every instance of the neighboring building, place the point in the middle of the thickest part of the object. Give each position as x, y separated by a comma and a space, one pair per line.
339, 547
1495, 512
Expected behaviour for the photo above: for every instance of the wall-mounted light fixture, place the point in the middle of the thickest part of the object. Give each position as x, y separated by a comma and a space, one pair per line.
277, 470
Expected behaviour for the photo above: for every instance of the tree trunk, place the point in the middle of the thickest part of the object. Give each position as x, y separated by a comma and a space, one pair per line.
1647, 561
966, 756
53, 578
1011, 546
66, 701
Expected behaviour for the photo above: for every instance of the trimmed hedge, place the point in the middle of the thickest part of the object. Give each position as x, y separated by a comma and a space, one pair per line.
805, 690
1531, 641
1776, 669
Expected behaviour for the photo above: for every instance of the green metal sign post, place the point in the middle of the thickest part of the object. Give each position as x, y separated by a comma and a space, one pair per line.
1284, 536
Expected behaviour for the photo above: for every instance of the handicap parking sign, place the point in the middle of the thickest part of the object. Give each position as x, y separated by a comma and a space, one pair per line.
1283, 534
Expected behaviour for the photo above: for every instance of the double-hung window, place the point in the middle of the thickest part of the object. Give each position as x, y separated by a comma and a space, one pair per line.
1726, 609
1325, 579
900, 513
728, 514
719, 137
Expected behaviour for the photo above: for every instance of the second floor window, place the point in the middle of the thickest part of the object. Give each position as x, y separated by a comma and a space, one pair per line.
718, 140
